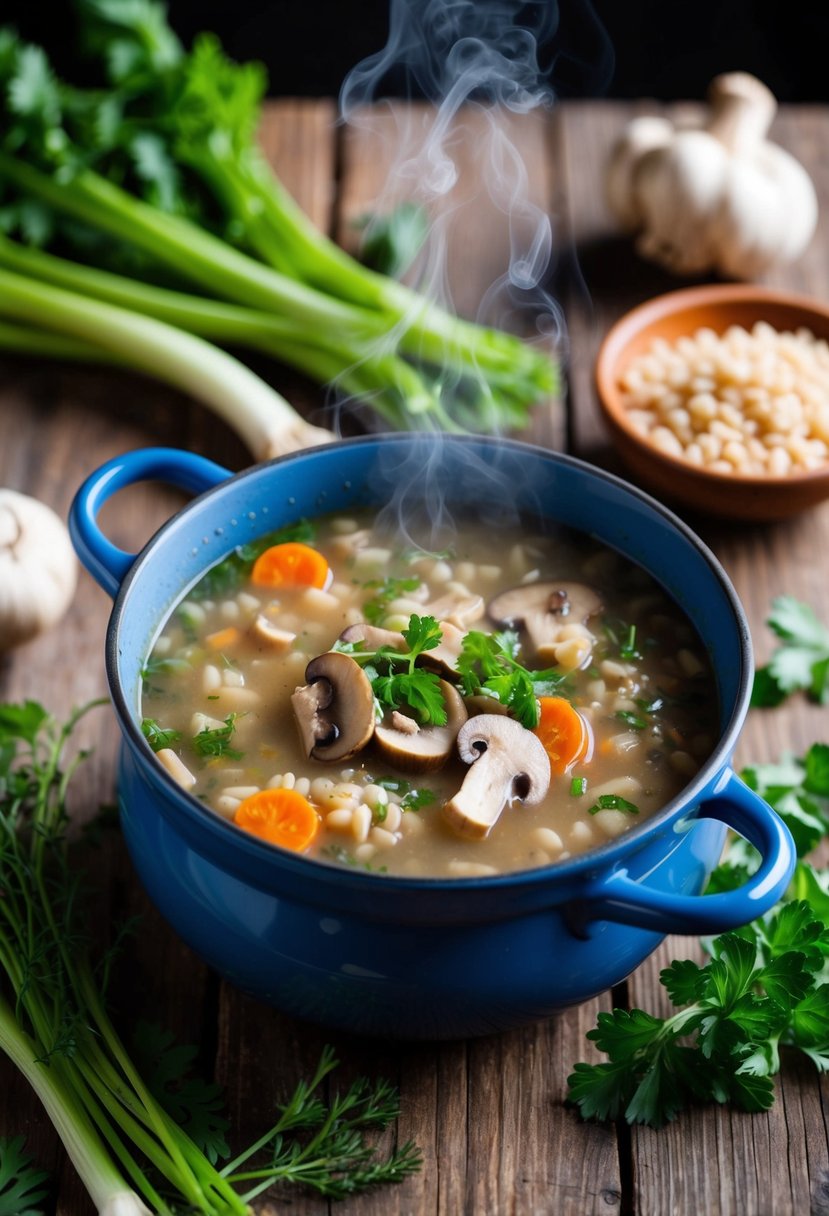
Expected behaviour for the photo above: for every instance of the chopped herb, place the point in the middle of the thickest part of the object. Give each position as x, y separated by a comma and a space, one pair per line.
214, 696
801, 662
622, 638
488, 664
157, 736
416, 800
385, 590
650, 704
578, 786
613, 802
627, 649
635, 721
216, 741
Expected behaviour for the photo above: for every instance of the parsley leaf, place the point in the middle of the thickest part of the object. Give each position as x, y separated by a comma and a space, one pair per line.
488, 664
801, 662
216, 741
157, 736
196, 1105
22, 1186
410, 688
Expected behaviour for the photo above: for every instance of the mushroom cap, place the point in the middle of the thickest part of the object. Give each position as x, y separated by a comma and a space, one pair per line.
334, 710
506, 761
523, 751
460, 608
562, 600
427, 748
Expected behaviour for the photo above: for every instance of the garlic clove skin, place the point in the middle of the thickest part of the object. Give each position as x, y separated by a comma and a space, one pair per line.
38, 568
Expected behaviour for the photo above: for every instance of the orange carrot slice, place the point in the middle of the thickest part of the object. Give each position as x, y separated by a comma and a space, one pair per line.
281, 817
564, 733
223, 638
290, 565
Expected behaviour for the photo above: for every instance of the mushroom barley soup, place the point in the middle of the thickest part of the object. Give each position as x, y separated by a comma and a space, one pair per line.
483, 709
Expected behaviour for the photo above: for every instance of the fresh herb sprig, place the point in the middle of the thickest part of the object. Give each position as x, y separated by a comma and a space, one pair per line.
214, 742
764, 987
800, 662
397, 681
139, 1145
488, 664
157, 735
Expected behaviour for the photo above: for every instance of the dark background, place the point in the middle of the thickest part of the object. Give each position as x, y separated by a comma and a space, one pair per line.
619, 48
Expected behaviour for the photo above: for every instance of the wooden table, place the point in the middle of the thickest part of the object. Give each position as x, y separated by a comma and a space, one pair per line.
489, 1114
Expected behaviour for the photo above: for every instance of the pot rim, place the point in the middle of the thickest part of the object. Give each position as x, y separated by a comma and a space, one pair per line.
227, 837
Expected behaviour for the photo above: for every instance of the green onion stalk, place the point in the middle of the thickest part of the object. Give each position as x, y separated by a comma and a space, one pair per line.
53, 1024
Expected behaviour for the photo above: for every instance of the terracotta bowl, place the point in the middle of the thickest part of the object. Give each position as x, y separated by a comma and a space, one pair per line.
681, 313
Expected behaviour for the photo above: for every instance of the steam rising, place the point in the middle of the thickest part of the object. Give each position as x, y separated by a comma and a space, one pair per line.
476, 65
479, 69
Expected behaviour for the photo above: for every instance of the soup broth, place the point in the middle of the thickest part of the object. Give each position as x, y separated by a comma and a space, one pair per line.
582, 649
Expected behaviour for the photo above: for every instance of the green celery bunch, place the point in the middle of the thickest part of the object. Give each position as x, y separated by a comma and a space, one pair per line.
158, 177
139, 1145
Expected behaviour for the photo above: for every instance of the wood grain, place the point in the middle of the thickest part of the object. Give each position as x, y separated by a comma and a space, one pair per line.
490, 1114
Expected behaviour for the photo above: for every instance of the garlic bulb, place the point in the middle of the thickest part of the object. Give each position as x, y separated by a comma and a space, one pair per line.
38, 570
716, 198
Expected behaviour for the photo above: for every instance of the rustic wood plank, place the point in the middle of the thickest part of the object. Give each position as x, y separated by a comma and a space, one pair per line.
720, 1160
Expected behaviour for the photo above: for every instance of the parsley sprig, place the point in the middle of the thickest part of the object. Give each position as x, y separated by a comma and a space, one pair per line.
488, 664
764, 987
157, 735
801, 662
397, 681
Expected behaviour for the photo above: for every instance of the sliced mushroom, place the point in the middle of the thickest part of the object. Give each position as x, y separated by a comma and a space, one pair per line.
480, 703
425, 748
270, 635
543, 610
461, 608
507, 762
443, 659
373, 637
334, 709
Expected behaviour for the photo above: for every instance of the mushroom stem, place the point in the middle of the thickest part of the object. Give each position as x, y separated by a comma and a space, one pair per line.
507, 762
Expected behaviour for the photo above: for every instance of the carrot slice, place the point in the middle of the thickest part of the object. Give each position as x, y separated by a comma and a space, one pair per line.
290, 565
564, 733
281, 817
223, 638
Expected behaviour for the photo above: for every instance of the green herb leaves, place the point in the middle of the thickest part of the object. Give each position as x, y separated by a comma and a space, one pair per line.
763, 987
157, 736
22, 1186
396, 680
801, 662
613, 802
759, 989
488, 665
215, 741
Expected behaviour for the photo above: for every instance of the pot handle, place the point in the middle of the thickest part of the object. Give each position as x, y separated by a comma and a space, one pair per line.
108, 564
617, 897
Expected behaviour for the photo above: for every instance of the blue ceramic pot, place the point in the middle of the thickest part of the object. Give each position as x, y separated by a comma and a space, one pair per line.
406, 957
